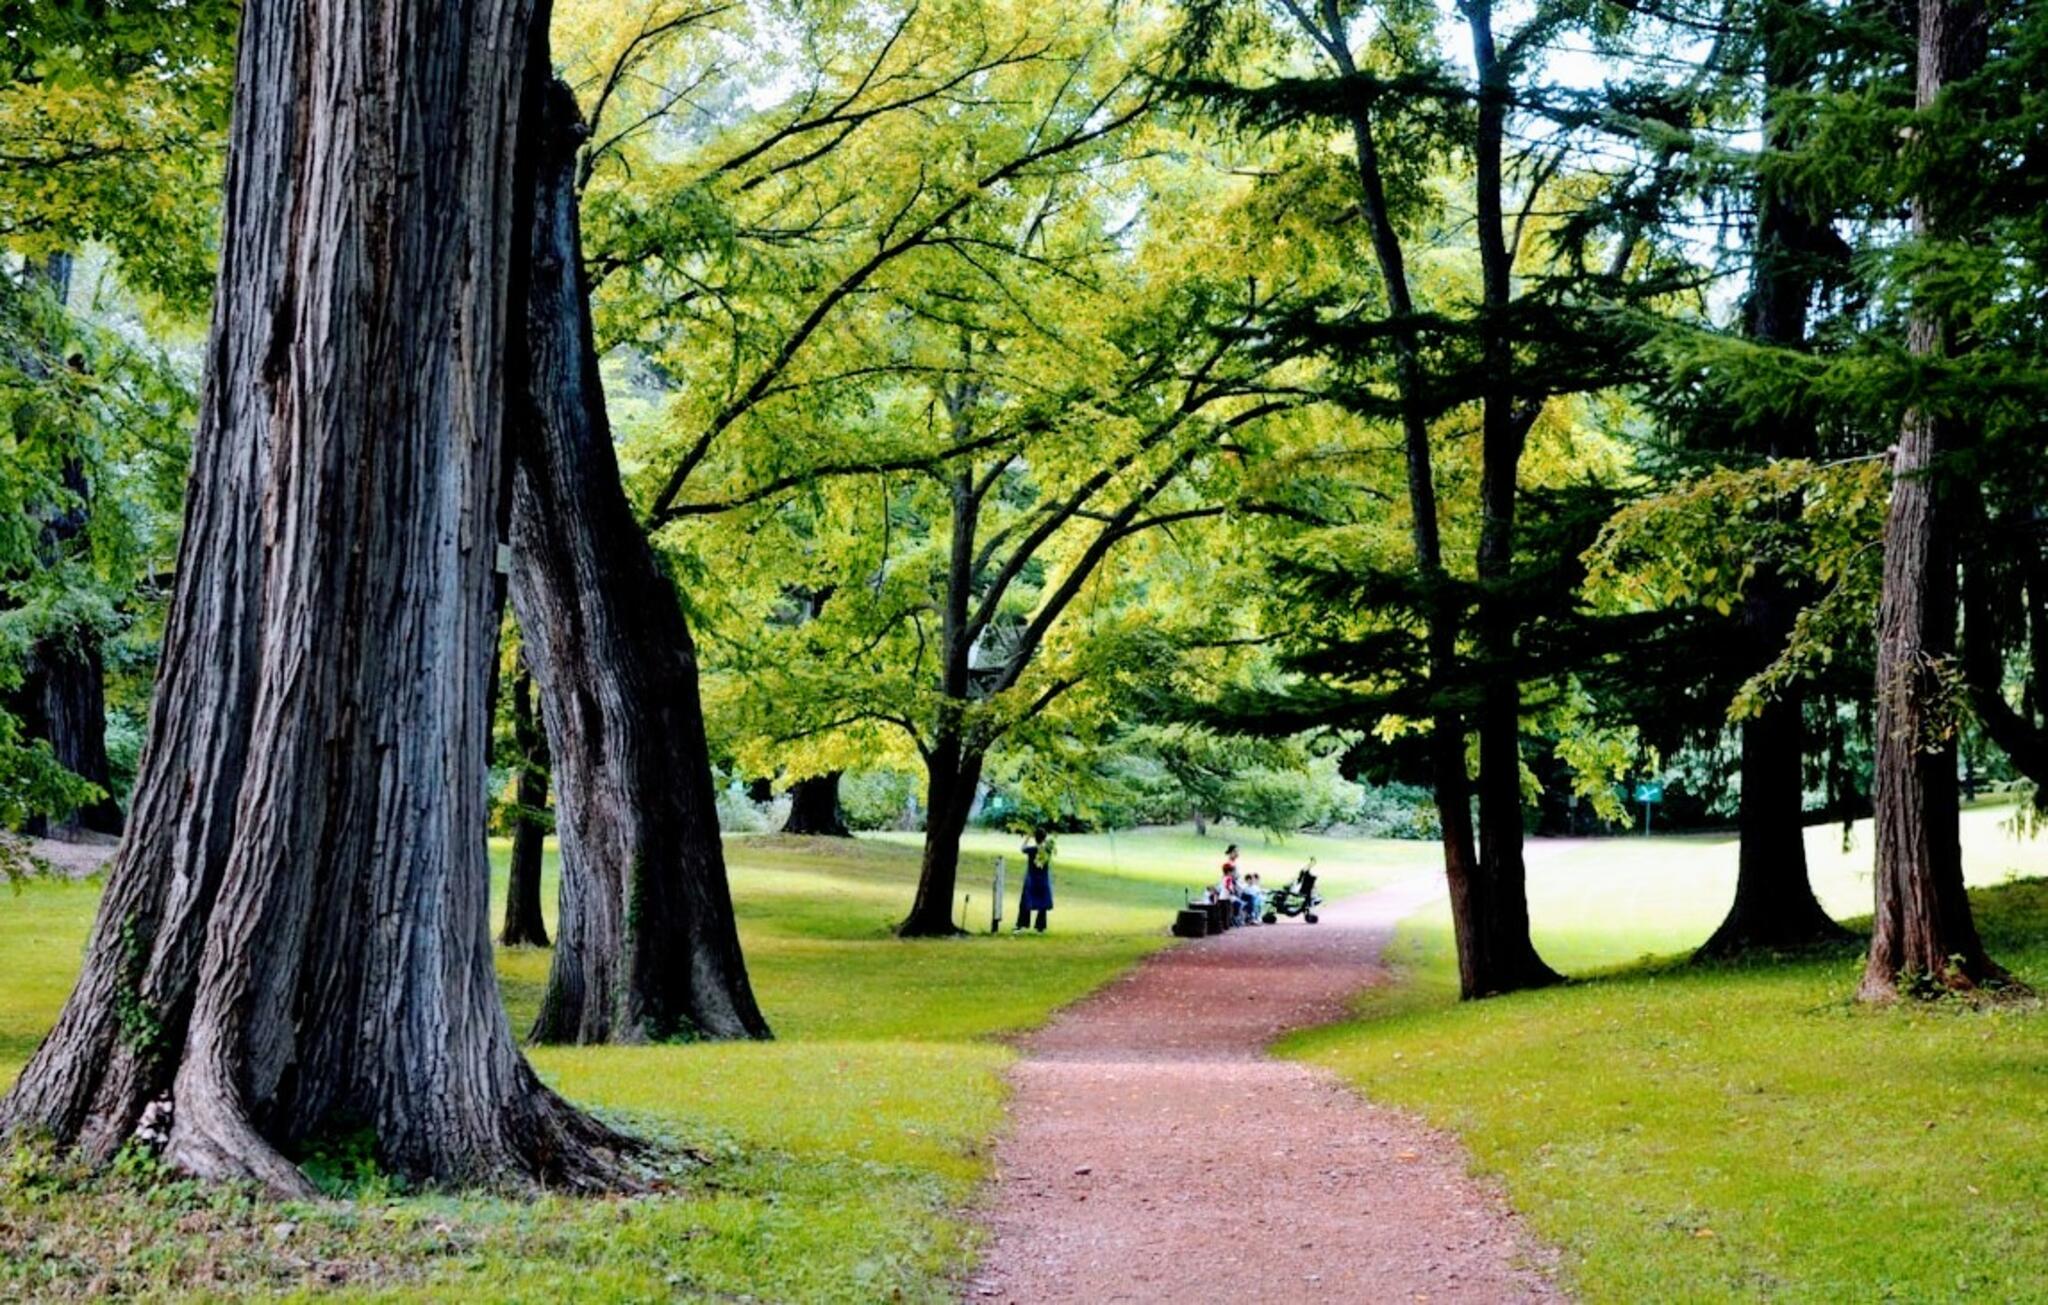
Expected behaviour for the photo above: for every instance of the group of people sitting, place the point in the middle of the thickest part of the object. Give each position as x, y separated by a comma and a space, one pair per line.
1244, 892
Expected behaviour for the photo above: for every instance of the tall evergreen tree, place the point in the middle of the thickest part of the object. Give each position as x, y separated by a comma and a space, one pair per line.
1924, 931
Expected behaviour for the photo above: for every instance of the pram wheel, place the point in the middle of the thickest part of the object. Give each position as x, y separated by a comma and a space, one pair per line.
1309, 916
1269, 918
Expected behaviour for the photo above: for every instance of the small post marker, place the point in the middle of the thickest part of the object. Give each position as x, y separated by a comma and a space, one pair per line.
995, 905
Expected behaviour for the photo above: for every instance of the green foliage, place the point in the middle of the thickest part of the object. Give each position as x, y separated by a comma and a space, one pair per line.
1704, 542
112, 125
344, 1165
141, 1024
93, 438
877, 799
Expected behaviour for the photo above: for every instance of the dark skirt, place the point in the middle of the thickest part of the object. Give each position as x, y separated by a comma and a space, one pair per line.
1037, 891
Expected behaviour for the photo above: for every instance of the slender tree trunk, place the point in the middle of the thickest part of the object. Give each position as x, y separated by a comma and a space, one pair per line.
814, 807
646, 946
1473, 914
296, 938
1923, 931
952, 763
953, 771
525, 926
1505, 957
1774, 905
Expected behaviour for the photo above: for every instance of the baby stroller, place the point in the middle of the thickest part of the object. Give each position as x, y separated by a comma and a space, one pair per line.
1298, 898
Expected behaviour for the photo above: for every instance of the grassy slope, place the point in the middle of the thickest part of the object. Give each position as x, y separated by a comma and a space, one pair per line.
844, 1149
1736, 1133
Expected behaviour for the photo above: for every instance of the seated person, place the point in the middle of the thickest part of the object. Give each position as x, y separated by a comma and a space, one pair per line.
1227, 888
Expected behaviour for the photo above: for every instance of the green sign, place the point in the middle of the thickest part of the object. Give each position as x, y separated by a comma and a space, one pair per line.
1649, 791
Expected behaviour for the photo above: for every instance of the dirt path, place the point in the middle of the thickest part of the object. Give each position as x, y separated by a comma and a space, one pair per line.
1156, 1151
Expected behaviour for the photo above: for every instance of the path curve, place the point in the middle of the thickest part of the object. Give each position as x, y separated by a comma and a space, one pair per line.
1118, 1179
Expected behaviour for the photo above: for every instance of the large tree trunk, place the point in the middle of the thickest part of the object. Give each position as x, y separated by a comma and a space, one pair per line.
1774, 905
524, 925
646, 947
814, 807
296, 937
1923, 931
1504, 957
63, 700
953, 772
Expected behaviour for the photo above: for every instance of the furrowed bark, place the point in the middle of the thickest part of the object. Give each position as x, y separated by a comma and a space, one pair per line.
295, 939
1924, 932
646, 947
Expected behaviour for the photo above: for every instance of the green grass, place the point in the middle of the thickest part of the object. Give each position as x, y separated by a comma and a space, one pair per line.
1737, 1132
844, 1153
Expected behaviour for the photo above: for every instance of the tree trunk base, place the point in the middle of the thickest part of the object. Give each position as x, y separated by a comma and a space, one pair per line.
1524, 976
814, 808
914, 928
1748, 931
1978, 978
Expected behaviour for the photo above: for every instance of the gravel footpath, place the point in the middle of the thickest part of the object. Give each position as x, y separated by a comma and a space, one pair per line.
86, 855
1155, 1150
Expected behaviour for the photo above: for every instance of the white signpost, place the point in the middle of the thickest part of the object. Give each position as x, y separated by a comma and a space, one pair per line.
995, 908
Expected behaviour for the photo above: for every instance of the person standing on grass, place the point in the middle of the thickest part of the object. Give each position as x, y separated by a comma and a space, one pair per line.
1037, 894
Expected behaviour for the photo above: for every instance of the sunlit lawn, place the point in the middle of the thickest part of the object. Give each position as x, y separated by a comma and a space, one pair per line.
1724, 1134
1736, 1133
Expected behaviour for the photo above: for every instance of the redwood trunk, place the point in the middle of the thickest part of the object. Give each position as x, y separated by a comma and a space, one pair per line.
525, 926
296, 938
1923, 930
814, 808
646, 947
